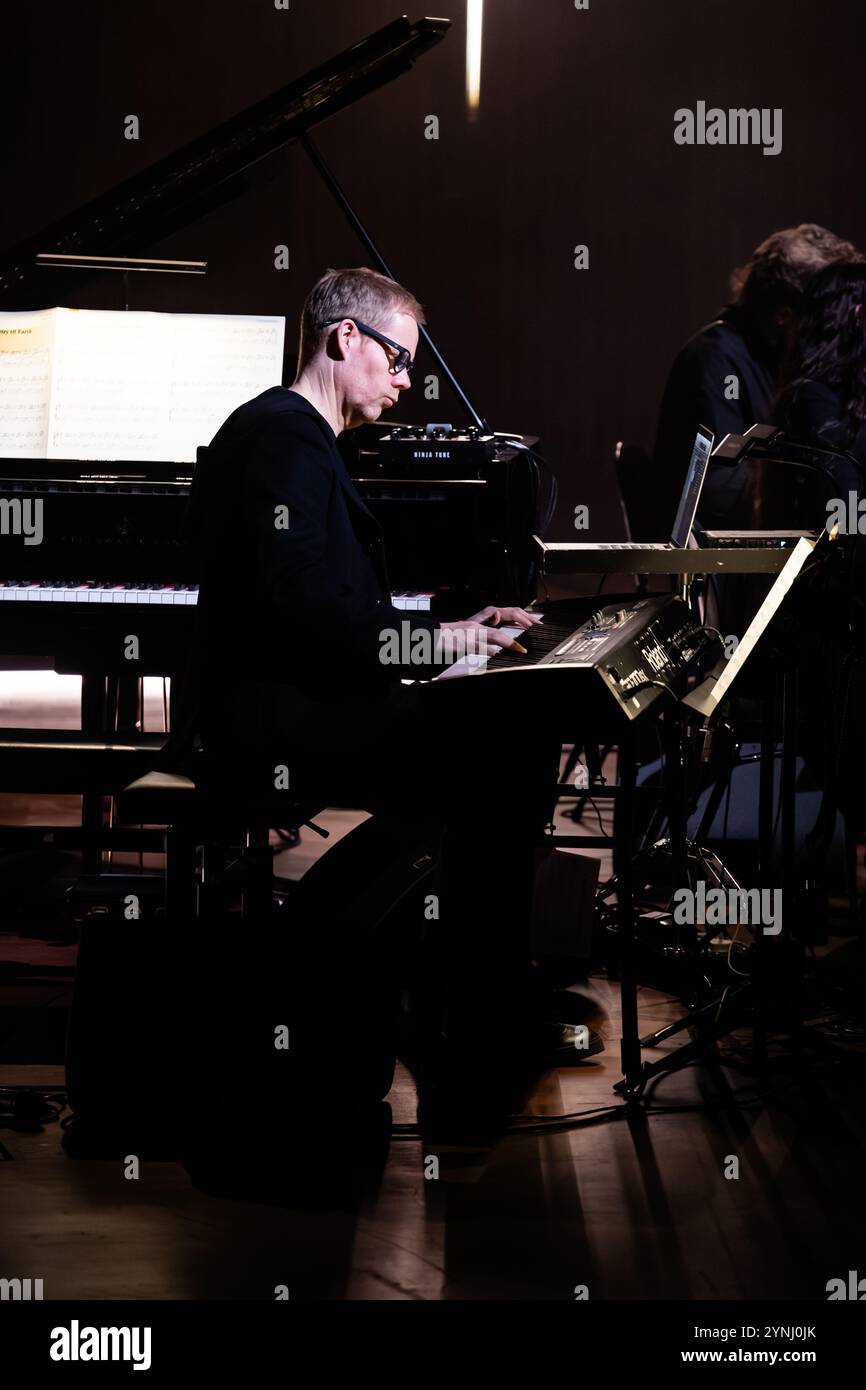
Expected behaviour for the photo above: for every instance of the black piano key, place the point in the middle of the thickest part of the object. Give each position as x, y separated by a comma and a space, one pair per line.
538, 641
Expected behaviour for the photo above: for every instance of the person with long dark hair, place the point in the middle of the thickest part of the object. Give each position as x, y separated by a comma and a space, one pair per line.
822, 401
727, 375
823, 395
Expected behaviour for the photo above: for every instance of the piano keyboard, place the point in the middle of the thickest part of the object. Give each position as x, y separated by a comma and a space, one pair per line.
539, 642
50, 592
179, 595
412, 602
618, 659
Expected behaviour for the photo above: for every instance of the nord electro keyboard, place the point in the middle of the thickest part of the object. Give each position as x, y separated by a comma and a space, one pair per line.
613, 667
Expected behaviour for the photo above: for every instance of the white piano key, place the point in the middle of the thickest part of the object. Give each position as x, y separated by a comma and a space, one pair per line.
473, 663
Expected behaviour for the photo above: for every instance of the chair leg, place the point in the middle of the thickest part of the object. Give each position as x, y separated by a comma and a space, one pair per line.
259, 861
213, 866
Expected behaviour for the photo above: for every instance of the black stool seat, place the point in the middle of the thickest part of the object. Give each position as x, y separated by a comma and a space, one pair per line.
159, 798
207, 807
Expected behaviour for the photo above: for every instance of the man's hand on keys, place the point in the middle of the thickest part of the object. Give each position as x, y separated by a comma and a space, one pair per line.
482, 633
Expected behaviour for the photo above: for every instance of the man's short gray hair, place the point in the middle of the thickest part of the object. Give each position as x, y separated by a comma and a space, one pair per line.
351, 294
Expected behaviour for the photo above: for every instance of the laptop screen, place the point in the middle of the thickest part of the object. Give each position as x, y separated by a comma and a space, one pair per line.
692, 491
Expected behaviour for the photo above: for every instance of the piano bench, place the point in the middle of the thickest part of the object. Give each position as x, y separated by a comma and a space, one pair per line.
63, 762
196, 816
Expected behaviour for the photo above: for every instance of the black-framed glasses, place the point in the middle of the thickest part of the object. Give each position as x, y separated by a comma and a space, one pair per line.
404, 362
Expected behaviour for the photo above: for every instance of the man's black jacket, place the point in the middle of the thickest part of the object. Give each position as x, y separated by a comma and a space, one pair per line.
294, 588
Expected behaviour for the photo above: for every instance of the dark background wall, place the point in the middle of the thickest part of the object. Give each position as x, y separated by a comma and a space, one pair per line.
573, 144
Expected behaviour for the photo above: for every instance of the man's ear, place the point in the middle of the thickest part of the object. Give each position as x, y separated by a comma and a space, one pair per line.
336, 346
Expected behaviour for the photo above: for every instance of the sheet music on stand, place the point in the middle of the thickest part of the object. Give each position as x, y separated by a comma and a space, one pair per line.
707, 696
106, 385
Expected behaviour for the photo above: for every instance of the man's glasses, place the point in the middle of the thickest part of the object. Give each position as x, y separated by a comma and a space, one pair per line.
403, 362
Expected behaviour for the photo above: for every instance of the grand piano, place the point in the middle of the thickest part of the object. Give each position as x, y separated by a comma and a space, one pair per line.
114, 558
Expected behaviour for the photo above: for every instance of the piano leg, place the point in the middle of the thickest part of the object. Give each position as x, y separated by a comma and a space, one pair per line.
109, 705
128, 711
93, 693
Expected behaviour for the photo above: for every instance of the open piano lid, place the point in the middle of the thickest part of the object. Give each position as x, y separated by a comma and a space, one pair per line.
208, 171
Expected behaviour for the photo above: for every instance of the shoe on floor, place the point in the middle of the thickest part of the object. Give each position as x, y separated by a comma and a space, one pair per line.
468, 1094
570, 1045
573, 1006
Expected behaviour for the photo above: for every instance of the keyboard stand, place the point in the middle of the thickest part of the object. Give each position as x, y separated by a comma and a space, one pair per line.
623, 860
707, 1019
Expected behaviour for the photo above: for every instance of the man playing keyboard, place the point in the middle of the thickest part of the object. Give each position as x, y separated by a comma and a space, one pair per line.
289, 668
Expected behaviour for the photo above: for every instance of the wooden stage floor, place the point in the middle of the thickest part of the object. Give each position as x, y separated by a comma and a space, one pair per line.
632, 1206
